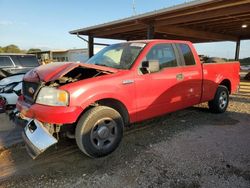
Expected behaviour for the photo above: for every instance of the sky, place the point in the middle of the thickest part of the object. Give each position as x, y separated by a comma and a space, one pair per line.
46, 24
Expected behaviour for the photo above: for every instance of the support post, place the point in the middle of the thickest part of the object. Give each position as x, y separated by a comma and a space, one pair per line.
150, 32
91, 46
237, 51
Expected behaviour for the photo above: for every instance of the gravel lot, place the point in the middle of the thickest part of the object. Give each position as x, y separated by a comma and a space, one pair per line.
188, 148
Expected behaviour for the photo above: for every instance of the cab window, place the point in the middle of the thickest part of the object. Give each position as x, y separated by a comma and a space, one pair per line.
187, 54
164, 53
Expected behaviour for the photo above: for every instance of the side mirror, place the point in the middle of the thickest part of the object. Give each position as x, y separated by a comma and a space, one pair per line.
151, 66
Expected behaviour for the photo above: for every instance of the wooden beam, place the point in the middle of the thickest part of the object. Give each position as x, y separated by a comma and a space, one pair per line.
180, 31
245, 37
224, 29
217, 20
211, 6
218, 23
174, 37
234, 30
205, 15
114, 30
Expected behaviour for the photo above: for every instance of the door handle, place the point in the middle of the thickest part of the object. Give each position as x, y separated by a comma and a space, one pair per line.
125, 82
179, 76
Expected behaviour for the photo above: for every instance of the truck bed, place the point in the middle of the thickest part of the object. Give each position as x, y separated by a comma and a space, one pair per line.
215, 73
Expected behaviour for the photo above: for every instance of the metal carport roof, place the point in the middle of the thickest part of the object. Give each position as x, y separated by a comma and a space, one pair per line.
196, 21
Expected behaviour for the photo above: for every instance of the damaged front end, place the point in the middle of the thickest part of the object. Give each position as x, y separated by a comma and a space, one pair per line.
46, 106
38, 137
76, 74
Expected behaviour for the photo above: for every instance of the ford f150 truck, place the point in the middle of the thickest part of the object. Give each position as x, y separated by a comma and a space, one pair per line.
122, 84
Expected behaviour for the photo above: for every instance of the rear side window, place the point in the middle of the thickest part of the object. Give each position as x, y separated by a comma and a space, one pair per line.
5, 62
28, 61
187, 54
164, 53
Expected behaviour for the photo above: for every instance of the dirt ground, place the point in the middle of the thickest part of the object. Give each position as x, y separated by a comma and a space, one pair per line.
188, 148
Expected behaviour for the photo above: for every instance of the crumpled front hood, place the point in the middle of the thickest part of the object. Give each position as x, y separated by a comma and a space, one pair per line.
53, 71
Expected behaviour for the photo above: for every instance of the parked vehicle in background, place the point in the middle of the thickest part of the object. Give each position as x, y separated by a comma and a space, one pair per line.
11, 64
10, 89
12, 69
245, 67
122, 84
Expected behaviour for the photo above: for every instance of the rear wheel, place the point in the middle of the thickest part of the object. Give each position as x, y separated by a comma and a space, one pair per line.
99, 131
220, 102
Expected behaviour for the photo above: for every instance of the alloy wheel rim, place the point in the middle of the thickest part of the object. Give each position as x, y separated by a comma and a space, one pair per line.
223, 100
104, 133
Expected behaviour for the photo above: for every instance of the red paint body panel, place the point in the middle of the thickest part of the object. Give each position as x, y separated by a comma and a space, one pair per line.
104, 87
214, 74
50, 114
147, 96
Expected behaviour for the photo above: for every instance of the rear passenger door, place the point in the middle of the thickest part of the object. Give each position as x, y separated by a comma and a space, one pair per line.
191, 75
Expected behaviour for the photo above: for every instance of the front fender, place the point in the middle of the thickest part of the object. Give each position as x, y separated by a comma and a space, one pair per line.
85, 95
100, 96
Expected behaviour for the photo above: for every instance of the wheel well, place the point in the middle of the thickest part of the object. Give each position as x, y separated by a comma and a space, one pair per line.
226, 83
117, 105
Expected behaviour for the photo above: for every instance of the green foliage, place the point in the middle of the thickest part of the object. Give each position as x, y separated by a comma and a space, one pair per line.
12, 49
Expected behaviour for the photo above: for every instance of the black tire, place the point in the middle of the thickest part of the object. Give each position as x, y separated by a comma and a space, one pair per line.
220, 102
99, 131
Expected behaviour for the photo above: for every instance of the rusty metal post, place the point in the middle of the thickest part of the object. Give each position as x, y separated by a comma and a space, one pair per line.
91, 46
237, 51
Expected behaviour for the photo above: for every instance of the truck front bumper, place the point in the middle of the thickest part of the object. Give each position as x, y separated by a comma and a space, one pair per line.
37, 138
49, 114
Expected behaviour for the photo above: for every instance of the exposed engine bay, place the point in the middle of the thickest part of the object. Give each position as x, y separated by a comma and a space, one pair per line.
78, 73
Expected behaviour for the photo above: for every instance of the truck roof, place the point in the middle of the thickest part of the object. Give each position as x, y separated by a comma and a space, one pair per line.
160, 40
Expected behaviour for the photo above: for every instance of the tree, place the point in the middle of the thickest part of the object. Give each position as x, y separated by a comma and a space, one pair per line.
1, 50
31, 50
11, 49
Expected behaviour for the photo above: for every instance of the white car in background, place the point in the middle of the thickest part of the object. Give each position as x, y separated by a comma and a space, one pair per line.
245, 67
10, 89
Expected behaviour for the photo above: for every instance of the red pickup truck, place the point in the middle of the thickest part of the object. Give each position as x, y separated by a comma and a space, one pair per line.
122, 84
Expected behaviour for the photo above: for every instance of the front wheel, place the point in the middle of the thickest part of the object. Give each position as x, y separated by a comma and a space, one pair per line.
99, 131
220, 102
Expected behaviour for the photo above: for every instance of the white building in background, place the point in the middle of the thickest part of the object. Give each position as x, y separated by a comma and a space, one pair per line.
67, 55
71, 55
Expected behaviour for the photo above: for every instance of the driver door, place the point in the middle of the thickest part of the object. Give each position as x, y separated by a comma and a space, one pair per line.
160, 92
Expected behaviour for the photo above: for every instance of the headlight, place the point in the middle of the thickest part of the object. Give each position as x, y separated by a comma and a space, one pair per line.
52, 97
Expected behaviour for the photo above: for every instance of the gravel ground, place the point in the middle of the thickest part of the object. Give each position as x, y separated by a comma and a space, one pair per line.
9, 132
188, 148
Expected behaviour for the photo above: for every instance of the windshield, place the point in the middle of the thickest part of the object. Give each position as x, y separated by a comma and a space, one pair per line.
119, 56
